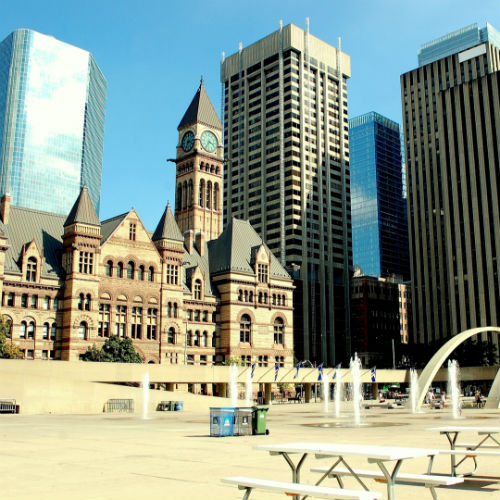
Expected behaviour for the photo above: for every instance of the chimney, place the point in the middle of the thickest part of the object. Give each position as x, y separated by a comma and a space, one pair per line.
189, 240
5, 208
200, 243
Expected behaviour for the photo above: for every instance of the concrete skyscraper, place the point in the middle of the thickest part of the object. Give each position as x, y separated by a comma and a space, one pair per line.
379, 220
52, 99
451, 113
286, 146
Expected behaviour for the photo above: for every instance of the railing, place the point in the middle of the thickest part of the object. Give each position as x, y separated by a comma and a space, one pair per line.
7, 406
119, 405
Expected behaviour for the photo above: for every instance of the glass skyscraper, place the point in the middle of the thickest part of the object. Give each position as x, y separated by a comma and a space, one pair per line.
52, 100
378, 209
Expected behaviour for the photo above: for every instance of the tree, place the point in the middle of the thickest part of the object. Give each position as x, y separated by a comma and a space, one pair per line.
114, 350
7, 349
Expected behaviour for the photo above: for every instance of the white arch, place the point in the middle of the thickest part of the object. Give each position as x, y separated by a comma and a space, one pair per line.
493, 401
430, 370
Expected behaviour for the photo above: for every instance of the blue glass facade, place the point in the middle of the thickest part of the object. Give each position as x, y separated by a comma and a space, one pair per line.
455, 42
378, 208
52, 101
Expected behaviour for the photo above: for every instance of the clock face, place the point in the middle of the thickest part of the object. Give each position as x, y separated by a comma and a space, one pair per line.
209, 141
187, 141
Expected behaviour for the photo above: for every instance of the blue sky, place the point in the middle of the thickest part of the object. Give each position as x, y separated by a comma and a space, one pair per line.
154, 52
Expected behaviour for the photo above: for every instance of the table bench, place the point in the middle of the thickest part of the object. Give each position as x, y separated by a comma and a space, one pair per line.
296, 489
428, 480
468, 453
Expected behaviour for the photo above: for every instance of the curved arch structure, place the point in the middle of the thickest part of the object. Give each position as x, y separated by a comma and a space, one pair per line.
493, 400
430, 370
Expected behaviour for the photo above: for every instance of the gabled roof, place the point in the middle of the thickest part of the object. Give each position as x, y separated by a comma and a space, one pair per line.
109, 225
83, 210
167, 228
201, 110
46, 229
234, 250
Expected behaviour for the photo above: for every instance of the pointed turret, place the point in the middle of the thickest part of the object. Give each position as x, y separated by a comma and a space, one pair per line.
201, 110
83, 211
167, 228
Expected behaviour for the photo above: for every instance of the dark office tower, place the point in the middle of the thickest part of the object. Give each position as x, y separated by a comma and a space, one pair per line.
286, 145
379, 222
451, 112
52, 99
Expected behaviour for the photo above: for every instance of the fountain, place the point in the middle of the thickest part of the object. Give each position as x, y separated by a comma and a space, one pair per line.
145, 396
339, 390
356, 396
248, 388
326, 390
413, 389
233, 384
454, 388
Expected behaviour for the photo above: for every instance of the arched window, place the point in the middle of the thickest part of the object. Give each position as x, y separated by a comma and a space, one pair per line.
204, 339
246, 295
196, 338
140, 273
240, 295
171, 336
119, 270
209, 194
81, 299
260, 297
31, 330
169, 309
202, 193
250, 296
109, 268
274, 299
22, 329
265, 297
53, 331
245, 329
216, 196
174, 311
279, 300
31, 269
87, 302
45, 331
130, 270
82, 331
197, 290
279, 331
189, 337
283, 300
151, 274
190, 193
184, 196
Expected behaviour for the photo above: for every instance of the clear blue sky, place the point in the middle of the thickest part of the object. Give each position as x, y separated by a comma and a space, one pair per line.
154, 52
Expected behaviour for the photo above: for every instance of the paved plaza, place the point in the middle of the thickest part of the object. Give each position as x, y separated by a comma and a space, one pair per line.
171, 455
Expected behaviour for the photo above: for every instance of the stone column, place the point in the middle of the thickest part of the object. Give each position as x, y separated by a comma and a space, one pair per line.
308, 392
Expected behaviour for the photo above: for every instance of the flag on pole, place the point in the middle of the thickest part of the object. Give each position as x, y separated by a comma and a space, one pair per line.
253, 369
337, 368
276, 370
297, 372
320, 372
373, 373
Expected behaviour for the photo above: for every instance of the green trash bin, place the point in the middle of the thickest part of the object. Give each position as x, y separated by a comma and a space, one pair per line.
259, 419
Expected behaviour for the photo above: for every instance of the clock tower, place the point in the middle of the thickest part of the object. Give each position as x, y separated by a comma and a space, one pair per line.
199, 162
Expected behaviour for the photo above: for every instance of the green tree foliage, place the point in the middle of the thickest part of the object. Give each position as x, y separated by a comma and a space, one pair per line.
114, 350
7, 349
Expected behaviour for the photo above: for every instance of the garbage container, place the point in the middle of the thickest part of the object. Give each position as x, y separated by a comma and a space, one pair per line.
259, 416
178, 405
243, 421
222, 421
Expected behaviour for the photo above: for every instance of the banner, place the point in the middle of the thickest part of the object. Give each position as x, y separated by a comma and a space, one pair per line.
253, 369
336, 369
276, 370
373, 373
320, 372
297, 372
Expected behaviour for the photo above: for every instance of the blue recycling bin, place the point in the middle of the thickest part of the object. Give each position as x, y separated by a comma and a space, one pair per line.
178, 406
222, 421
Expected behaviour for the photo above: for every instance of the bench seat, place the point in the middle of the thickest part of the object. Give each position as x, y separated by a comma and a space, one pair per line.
296, 489
471, 445
472, 453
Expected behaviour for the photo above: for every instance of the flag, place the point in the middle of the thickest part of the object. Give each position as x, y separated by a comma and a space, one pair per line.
320, 372
336, 369
276, 370
253, 369
373, 373
297, 372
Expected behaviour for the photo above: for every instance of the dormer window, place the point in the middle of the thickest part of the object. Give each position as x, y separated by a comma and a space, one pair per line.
31, 269
262, 273
197, 290
131, 231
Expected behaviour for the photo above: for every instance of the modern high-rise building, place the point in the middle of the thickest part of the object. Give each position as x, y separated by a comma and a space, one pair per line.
286, 147
52, 99
379, 215
451, 113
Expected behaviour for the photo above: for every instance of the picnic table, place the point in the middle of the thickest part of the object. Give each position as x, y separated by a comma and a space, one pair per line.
383, 456
486, 436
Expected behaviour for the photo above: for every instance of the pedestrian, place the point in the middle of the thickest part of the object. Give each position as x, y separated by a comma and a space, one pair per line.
443, 400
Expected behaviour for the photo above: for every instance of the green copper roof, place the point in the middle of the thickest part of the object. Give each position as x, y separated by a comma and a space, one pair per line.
83, 210
234, 250
167, 227
201, 110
